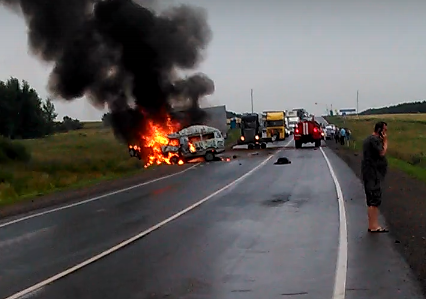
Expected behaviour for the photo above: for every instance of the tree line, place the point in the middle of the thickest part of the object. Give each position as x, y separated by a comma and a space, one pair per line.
413, 107
24, 115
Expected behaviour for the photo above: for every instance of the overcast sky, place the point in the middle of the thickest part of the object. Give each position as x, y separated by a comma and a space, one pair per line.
292, 53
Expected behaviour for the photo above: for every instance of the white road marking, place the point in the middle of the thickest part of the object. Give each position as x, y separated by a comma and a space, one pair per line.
93, 198
339, 291
24, 237
133, 239
288, 142
33, 294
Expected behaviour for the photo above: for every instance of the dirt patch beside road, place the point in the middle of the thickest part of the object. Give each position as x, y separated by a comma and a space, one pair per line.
404, 207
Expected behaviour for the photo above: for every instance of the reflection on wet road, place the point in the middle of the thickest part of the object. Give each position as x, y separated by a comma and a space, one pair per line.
243, 228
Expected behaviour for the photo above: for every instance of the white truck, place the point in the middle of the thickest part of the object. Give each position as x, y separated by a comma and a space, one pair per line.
292, 120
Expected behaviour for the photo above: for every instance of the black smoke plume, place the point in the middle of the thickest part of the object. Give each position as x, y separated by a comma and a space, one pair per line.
121, 54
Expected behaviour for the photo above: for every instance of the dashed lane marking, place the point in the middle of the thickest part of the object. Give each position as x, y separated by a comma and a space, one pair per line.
58, 276
93, 198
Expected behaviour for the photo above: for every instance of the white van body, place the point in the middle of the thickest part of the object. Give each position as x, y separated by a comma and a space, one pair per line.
208, 142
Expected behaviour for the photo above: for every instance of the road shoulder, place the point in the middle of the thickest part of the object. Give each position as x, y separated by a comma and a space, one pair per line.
404, 208
81, 194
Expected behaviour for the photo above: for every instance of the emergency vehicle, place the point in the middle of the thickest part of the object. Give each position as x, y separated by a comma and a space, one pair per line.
308, 131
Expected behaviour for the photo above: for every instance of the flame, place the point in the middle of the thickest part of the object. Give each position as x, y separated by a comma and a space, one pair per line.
180, 162
156, 137
192, 148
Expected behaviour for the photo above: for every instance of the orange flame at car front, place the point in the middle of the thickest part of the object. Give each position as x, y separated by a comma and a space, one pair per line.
154, 138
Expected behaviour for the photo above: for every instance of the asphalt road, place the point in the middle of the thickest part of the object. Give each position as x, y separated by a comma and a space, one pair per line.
251, 229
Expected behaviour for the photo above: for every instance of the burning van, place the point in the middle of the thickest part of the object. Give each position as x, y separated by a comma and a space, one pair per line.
187, 144
194, 142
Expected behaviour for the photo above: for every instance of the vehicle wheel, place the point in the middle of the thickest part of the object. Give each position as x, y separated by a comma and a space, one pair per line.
209, 156
263, 146
250, 146
174, 160
317, 143
298, 144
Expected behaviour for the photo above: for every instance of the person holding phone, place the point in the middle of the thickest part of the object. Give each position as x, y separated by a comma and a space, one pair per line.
373, 170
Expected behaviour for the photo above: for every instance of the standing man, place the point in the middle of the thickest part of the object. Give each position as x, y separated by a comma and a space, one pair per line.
348, 136
342, 136
373, 169
337, 135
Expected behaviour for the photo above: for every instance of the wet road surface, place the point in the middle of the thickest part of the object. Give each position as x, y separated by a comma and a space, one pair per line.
262, 231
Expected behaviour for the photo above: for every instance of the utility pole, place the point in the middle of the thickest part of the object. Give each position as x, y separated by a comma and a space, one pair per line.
251, 96
357, 102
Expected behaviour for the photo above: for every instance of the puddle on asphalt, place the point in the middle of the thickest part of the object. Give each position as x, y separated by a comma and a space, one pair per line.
277, 200
285, 199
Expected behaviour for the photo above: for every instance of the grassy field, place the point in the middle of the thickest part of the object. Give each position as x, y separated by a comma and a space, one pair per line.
63, 160
407, 138
233, 136
69, 160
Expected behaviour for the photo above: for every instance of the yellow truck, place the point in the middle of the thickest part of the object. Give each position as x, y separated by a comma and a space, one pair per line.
274, 122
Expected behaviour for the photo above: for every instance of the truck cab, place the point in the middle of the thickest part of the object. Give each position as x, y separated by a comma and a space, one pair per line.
308, 131
275, 125
251, 131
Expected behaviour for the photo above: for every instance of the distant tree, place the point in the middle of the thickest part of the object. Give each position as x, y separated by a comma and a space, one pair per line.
230, 114
413, 107
22, 113
68, 124
49, 115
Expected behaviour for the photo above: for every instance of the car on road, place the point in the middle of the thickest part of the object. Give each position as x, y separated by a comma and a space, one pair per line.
329, 132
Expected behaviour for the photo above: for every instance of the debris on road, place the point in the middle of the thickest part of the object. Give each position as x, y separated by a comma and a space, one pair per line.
282, 161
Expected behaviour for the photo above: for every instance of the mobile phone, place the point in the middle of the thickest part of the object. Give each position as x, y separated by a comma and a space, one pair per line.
381, 133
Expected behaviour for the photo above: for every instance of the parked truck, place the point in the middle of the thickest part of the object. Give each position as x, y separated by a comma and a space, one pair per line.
292, 119
251, 131
274, 122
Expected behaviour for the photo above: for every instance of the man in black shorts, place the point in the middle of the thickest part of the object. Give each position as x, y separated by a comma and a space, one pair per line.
373, 169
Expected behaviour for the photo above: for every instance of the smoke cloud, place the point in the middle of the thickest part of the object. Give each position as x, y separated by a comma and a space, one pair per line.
121, 54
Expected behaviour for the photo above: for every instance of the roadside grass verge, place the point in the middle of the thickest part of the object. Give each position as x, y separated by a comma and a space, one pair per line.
62, 161
407, 139
233, 135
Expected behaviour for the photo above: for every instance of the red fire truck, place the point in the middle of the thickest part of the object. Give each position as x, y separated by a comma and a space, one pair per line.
308, 131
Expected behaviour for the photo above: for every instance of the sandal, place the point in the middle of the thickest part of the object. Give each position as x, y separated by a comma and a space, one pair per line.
379, 230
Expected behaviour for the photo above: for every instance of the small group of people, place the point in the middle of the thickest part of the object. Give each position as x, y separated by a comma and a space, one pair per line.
342, 135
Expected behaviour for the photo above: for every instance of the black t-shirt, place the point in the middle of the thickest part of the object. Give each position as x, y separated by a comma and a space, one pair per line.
373, 164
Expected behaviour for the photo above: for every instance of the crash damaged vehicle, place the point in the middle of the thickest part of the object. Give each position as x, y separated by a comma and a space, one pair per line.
194, 142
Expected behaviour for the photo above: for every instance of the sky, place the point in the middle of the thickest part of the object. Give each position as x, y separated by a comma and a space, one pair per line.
293, 54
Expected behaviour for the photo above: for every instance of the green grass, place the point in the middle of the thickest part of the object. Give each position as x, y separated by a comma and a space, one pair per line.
66, 160
406, 134
233, 135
